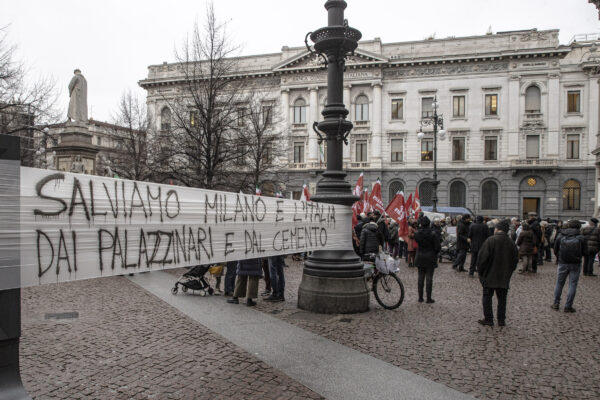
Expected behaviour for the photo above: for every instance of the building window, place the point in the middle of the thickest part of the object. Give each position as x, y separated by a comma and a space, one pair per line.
491, 149
426, 193
361, 108
491, 104
165, 119
427, 150
241, 155
300, 111
361, 151
458, 106
533, 146
395, 187
573, 101
397, 108
298, 153
489, 195
426, 107
193, 118
241, 113
571, 195
267, 115
267, 153
573, 147
532, 99
397, 150
458, 149
458, 194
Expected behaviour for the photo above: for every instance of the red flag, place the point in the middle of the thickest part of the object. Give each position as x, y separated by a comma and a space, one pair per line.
408, 206
416, 205
305, 193
397, 211
375, 199
358, 205
366, 207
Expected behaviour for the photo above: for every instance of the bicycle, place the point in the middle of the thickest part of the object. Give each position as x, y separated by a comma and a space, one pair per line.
387, 287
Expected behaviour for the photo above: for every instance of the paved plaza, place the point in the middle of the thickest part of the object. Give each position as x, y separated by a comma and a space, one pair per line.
126, 343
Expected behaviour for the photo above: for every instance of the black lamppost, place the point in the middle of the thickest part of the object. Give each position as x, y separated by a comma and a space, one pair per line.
333, 281
437, 121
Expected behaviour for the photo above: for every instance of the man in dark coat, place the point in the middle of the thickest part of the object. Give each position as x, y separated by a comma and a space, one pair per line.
478, 232
462, 243
426, 259
534, 223
369, 239
498, 258
591, 235
569, 248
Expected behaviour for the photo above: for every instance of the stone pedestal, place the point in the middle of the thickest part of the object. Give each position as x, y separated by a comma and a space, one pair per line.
75, 140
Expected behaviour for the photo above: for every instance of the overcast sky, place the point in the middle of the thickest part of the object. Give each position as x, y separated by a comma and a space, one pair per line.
114, 41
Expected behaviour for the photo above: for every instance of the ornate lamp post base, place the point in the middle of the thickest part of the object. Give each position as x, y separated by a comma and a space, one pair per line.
333, 281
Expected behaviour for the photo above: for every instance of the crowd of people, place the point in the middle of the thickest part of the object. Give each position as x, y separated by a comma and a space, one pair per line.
496, 248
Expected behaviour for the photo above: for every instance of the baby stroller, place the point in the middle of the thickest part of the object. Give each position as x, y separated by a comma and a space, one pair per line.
194, 280
448, 250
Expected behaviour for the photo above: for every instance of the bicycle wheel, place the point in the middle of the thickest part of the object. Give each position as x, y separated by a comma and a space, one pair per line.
389, 291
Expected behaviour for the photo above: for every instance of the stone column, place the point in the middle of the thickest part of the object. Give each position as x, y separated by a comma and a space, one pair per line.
513, 118
313, 115
285, 122
376, 141
347, 153
593, 116
553, 131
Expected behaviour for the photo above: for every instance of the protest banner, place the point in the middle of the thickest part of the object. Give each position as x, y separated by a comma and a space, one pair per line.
76, 226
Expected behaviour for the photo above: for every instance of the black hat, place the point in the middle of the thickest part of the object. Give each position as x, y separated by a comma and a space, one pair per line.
424, 221
377, 212
594, 220
502, 225
479, 219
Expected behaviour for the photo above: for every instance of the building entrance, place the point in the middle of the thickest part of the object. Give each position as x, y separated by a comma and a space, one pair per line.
531, 204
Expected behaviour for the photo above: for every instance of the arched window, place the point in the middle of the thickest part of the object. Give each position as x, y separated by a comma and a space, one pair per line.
300, 111
426, 193
361, 110
489, 195
458, 194
165, 119
532, 99
571, 195
395, 187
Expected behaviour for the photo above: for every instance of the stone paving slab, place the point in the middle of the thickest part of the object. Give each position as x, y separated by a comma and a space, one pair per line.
540, 354
127, 344
330, 369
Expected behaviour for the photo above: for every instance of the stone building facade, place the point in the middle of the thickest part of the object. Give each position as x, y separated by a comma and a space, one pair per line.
521, 113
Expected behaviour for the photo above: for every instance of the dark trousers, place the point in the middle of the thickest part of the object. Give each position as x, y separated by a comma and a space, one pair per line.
473, 266
276, 275
461, 256
588, 263
230, 276
534, 261
425, 273
267, 276
548, 250
540, 255
501, 294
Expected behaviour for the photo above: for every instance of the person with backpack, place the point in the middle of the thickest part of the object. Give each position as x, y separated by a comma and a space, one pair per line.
526, 245
478, 233
569, 248
592, 241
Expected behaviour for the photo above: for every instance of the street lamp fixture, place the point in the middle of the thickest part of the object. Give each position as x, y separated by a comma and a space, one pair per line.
333, 280
437, 121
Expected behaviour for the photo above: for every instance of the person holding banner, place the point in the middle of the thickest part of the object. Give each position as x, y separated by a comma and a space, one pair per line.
426, 259
246, 283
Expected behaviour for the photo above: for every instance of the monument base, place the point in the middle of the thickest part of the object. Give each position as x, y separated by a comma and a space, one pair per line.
333, 283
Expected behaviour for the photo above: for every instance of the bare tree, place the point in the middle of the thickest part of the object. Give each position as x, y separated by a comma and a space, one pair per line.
258, 147
25, 104
130, 160
200, 143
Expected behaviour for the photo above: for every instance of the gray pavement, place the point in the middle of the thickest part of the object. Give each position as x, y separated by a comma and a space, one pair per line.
328, 368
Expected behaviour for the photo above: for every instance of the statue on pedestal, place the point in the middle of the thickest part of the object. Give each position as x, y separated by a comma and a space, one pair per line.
78, 104
77, 165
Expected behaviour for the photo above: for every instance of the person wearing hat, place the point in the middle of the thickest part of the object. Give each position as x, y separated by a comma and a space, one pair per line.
426, 260
462, 242
498, 259
592, 240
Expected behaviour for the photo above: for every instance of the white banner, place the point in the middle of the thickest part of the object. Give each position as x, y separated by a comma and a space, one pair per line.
75, 226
